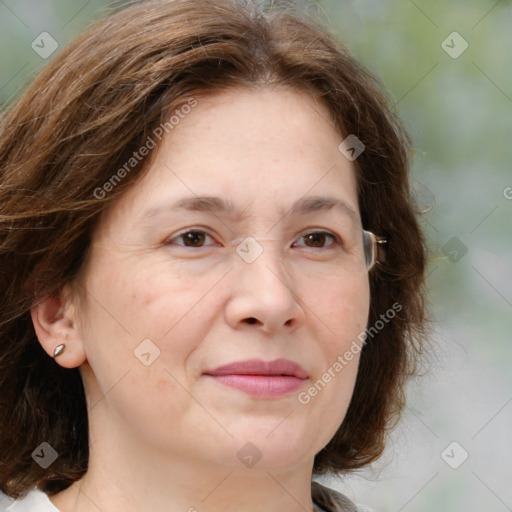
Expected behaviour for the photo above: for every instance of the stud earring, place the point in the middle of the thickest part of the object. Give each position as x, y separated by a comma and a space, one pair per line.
58, 350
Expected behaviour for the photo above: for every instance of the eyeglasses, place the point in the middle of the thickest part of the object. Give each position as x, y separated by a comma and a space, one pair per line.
373, 248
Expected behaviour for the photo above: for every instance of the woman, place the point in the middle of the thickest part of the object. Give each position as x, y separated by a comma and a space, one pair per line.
211, 269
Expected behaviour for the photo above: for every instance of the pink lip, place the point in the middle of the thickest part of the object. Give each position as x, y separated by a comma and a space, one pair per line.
260, 378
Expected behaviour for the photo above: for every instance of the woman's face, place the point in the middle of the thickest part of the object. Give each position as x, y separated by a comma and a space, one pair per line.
176, 291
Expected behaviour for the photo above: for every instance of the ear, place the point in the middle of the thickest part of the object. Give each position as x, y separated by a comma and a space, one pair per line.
55, 323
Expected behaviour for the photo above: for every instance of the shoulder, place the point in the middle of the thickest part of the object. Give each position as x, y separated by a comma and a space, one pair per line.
333, 501
33, 501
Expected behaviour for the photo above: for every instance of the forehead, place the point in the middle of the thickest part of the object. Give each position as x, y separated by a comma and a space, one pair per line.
249, 152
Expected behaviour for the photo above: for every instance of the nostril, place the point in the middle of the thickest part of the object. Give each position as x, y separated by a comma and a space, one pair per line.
251, 320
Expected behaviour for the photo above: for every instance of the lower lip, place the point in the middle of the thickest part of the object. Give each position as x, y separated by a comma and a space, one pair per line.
261, 385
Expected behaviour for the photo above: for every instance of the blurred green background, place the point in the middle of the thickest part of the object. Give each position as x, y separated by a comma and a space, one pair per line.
456, 104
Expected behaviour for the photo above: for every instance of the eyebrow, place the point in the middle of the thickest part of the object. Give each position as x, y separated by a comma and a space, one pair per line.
221, 206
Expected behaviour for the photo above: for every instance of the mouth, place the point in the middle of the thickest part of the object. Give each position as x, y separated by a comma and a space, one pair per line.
261, 378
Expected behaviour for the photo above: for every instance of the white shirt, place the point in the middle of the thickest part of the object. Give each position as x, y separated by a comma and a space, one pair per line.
34, 501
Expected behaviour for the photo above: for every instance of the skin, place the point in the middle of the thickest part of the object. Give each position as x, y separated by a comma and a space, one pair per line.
165, 436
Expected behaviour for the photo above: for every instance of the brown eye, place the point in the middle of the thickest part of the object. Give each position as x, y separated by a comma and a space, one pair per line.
317, 239
191, 238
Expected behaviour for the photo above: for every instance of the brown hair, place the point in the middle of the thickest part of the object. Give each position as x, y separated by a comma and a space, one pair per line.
83, 118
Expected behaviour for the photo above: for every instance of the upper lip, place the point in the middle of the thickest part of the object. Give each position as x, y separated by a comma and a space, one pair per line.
259, 367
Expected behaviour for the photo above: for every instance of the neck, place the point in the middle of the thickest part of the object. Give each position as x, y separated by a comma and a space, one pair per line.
144, 478
186, 489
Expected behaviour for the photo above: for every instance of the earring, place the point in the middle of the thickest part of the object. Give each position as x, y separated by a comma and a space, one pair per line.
58, 350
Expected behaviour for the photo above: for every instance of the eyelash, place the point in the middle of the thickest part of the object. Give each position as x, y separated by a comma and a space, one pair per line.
335, 239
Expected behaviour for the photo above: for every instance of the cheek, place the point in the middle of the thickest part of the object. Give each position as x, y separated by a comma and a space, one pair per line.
344, 314
146, 300
139, 313
175, 309
343, 308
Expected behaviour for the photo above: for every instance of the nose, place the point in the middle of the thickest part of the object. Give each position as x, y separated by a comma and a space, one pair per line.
264, 295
